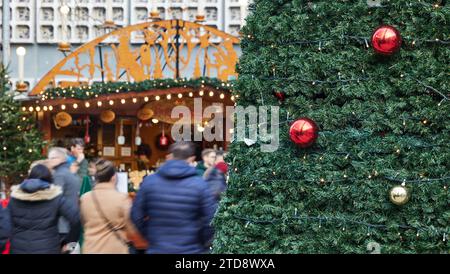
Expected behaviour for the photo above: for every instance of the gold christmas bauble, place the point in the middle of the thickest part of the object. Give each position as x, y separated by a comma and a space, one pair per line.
399, 195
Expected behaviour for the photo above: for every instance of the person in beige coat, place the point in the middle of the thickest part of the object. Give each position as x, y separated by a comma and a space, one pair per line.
105, 214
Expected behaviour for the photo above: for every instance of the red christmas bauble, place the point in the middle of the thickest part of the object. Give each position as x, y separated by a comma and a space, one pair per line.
304, 132
163, 141
280, 95
386, 40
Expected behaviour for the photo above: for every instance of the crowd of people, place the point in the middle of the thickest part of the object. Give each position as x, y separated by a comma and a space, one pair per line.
54, 211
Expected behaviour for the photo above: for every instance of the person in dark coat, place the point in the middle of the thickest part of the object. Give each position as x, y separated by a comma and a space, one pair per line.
174, 207
35, 207
69, 182
5, 228
216, 179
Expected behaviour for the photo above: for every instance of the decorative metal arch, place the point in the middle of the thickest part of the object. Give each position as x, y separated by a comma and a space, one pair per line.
168, 49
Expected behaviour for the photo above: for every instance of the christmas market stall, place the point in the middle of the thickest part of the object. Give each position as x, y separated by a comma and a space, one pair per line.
118, 91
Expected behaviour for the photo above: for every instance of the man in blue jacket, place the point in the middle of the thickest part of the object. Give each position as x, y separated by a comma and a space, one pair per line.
5, 228
174, 207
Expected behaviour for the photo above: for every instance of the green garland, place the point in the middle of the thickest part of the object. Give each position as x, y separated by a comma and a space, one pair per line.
97, 89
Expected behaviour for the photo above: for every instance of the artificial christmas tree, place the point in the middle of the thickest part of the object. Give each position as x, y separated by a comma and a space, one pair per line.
383, 122
20, 141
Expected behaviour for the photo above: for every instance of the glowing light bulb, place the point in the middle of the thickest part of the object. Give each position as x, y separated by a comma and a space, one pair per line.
63, 107
146, 99
222, 96
87, 104
180, 95
75, 106
38, 108
157, 98
191, 94
24, 109
50, 108
155, 121
211, 94
201, 93
134, 100
169, 96
122, 101
111, 102
45, 108
99, 103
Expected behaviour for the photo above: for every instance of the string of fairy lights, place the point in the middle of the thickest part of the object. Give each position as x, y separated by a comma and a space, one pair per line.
316, 82
123, 101
344, 39
345, 222
345, 178
97, 89
94, 92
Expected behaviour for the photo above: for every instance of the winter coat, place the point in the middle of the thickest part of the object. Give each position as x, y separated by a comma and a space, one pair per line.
5, 228
98, 237
217, 182
201, 168
82, 167
71, 185
173, 210
35, 208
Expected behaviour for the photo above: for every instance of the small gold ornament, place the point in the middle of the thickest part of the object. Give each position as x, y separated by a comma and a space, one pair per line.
399, 195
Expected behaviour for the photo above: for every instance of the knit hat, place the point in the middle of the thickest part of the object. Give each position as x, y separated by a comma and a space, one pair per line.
222, 166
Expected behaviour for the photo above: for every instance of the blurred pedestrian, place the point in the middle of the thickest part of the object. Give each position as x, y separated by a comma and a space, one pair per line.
105, 214
69, 182
208, 160
91, 171
5, 228
174, 207
216, 179
220, 157
35, 207
143, 153
77, 157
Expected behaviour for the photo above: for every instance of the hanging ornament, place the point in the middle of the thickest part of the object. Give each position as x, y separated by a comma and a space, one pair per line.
399, 195
121, 138
280, 95
304, 132
138, 140
145, 114
87, 138
107, 116
163, 140
386, 40
62, 119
